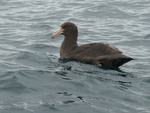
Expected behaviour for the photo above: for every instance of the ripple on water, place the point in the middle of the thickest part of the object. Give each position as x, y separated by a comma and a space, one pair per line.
11, 83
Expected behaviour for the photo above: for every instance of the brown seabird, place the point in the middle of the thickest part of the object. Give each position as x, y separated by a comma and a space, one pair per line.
100, 54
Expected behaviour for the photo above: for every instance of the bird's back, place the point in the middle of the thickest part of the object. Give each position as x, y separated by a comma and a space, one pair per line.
95, 50
99, 54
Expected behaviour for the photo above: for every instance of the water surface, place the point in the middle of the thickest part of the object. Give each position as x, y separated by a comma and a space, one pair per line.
34, 80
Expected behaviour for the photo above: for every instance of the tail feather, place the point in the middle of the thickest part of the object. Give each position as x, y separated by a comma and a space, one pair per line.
114, 60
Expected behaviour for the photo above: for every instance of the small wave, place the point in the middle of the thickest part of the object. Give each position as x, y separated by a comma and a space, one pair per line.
12, 84
139, 42
147, 36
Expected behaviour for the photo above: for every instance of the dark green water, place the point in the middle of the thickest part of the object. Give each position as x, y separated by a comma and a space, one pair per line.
34, 80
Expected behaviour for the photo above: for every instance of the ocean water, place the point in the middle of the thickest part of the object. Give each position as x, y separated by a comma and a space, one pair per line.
34, 80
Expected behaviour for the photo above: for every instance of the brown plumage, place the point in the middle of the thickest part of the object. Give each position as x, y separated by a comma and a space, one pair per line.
94, 53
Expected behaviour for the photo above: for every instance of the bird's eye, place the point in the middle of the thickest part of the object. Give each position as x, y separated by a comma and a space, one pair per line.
65, 26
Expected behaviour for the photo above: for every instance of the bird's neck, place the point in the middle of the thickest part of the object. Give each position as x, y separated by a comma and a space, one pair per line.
68, 45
